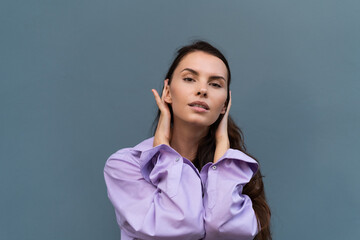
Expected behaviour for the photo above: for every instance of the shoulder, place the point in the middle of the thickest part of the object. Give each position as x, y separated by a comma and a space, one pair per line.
128, 157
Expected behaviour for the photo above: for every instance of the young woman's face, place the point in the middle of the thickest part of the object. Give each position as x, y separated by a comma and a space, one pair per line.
198, 77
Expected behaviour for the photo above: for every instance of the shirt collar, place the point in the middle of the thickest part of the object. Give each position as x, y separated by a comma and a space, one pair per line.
233, 153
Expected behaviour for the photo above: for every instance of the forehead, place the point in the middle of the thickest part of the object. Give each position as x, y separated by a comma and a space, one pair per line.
203, 63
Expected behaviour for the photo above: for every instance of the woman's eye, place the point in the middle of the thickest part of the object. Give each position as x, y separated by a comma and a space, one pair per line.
216, 85
188, 79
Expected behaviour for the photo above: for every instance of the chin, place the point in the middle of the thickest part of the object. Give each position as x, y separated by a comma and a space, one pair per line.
197, 119
201, 122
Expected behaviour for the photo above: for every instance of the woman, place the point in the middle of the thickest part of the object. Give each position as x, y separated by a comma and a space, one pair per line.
192, 179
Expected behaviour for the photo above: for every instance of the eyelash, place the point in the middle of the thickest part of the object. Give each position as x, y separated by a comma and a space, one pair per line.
213, 84
185, 79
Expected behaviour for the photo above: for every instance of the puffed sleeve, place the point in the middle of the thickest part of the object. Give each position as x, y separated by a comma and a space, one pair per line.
155, 194
228, 212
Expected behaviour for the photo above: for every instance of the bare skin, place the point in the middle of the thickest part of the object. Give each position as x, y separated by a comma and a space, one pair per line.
185, 141
198, 77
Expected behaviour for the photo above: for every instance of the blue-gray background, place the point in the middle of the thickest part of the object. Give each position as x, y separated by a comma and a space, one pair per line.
76, 79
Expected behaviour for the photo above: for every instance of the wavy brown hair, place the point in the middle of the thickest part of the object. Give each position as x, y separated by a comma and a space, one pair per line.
206, 149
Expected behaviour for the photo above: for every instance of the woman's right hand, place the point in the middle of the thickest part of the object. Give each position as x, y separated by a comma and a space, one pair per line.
163, 130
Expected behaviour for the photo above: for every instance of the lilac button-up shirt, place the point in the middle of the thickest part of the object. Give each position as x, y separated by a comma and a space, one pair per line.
158, 194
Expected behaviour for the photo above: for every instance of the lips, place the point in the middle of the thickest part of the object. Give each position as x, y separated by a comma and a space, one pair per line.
199, 104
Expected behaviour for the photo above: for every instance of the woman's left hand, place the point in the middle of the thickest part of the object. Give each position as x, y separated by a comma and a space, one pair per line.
221, 135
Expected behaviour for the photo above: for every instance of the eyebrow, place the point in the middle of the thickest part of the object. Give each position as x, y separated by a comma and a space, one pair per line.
197, 74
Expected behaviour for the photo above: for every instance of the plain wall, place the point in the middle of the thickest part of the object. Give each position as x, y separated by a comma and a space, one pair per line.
76, 79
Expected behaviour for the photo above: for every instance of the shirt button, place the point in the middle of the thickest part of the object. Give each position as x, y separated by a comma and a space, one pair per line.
213, 167
177, 159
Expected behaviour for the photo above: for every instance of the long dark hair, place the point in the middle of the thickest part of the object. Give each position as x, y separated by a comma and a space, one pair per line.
206, 149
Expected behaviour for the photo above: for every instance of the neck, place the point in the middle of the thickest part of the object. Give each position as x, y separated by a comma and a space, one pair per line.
186, 137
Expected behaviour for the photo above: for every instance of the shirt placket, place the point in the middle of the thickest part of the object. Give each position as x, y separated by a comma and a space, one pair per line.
211, 186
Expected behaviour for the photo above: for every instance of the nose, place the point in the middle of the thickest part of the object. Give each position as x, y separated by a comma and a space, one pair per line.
202, 91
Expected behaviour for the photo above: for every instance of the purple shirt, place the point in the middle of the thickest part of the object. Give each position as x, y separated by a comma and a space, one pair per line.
158, 194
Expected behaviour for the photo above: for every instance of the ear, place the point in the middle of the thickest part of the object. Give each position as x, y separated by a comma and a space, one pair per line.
223, 110
167, 94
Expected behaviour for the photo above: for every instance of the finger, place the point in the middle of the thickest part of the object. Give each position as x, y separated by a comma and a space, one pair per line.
157, 98
229, 104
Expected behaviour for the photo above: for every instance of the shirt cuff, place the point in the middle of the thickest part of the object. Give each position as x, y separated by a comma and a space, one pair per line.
234, 165
238, 158
162, 166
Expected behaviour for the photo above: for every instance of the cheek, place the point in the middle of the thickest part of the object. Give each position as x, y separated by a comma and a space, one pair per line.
178, 101
221, 102
179, 93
